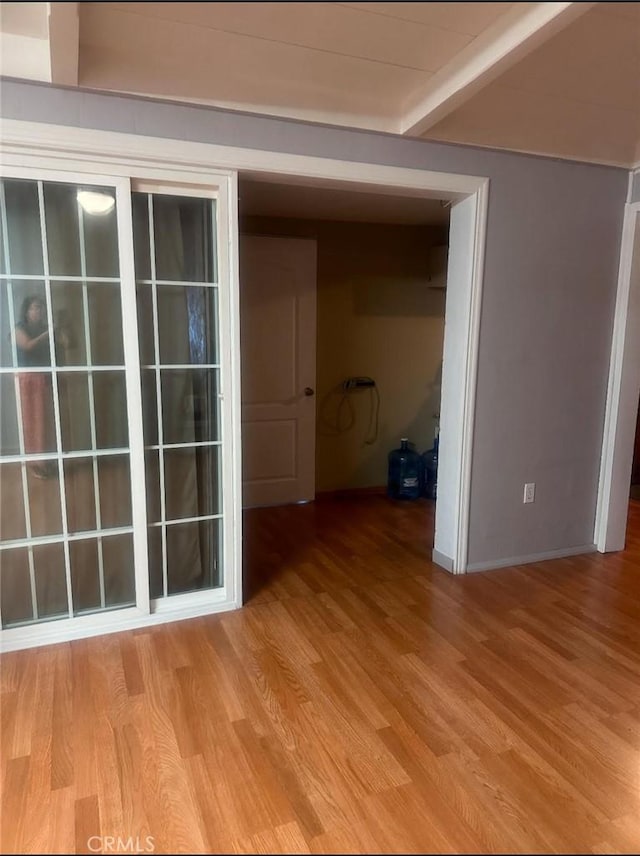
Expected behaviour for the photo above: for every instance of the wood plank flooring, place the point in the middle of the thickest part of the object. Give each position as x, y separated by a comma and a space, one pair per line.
363, 701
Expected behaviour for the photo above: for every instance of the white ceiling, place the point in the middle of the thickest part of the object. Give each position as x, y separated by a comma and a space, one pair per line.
560, 79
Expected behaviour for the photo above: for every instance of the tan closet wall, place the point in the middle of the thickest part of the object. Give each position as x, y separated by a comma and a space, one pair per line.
377, 316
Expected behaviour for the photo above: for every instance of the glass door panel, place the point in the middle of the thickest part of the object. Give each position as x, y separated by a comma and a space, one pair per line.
66, 526
177, 298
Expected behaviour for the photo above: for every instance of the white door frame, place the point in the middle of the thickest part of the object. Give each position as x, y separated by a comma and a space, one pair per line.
622, 396
46, 145
467, 237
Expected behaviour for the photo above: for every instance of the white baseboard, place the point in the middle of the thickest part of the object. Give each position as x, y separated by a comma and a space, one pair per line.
443, 561
474, 567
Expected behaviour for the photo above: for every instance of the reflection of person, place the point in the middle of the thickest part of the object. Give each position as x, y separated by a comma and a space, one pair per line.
64, 337
32, 345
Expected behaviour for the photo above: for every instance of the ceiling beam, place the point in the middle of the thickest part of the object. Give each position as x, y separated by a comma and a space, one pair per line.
25, 57
24, 49
520, 30
64, 42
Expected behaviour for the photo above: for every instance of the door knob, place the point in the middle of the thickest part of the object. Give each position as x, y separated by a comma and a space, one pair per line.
309, 391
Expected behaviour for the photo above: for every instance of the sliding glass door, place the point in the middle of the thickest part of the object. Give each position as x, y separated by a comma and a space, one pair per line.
177, 296
111, 402
66, 521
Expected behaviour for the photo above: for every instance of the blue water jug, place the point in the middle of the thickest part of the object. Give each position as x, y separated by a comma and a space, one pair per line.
404, 480
430, 471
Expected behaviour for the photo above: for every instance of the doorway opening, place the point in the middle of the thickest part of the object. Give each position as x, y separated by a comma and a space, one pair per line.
375, 267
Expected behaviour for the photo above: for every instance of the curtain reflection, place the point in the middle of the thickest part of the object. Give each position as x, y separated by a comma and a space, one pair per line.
197, 314
186, 336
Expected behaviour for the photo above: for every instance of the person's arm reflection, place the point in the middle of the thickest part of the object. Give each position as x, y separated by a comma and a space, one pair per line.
33, 350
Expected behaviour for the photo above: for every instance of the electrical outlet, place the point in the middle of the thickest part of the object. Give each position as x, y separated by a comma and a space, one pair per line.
529, 492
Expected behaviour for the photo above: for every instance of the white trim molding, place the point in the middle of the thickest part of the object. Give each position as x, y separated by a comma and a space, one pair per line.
474, 299
445, 562
514, 561
467, 236
99, 624
622, 394
45, 141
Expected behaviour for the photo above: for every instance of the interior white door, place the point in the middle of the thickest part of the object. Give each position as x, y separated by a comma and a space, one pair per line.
278, 347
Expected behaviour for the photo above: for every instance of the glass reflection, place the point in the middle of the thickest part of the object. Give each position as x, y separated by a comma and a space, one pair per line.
146, 344
193, 556
105, 324
44, 501
110, 403
75, 418
28, 304
141, 242
85, 575
187, 325
51, 582
115, 491
81, 501
68, 319
184, 238
28, 344
36, 404
100, 236
119, 575
95, 246
23, 228
12, 523
33, 351
9, 430
15, 586
192, 483
190, 405
63, 229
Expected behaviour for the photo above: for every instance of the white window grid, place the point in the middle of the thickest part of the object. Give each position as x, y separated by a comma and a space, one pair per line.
64, 537
157, 367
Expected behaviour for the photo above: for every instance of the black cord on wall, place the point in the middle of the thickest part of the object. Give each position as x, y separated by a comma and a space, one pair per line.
333, 425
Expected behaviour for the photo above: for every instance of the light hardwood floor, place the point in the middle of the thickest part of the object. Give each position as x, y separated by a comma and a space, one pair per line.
363, 701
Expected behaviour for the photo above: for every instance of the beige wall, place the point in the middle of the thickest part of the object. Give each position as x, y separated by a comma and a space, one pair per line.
376, 317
